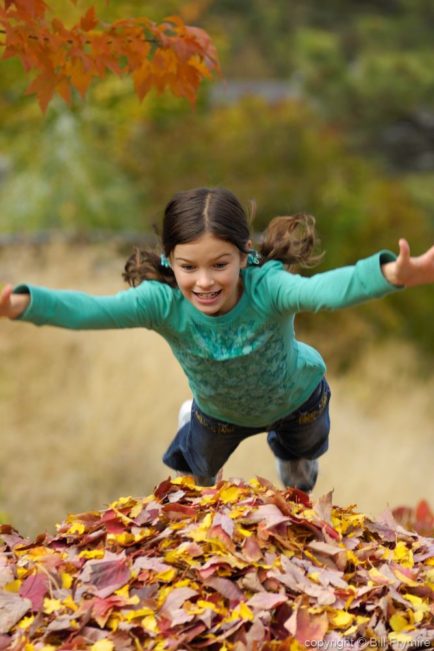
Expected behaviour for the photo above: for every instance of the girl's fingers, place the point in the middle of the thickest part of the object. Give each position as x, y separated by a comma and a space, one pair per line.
404, 250
5, 294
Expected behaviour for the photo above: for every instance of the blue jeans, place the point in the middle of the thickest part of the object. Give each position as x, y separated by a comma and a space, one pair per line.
202, 446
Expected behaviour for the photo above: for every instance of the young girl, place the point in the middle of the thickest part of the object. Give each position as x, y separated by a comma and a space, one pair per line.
227, 312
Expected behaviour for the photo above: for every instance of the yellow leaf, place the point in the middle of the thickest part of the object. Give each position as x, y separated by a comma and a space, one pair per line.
167, 576
150, 624
123, 539
66, 580
230, 494
76, 527
124, 591
51, 605
361, 619
237, 512
133, 614
378, 578
123, 502
200, 533
341, 619
113, 622
187, 583
203, 605
398, 622
405, 579
102, 645
13, 586
242, 611
174, 555
403, 555
244, 532
186, 481
26, 622
419, 605
136, 510
351, 630
70, 603
92, 553
314, 576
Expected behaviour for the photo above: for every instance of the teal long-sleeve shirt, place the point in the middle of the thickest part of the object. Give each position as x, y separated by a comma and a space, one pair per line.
246, 366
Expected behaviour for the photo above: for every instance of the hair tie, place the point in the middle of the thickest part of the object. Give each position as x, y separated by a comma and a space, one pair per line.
164, 261
253, 257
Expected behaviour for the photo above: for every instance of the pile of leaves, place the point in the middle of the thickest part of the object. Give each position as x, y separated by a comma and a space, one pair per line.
237, 566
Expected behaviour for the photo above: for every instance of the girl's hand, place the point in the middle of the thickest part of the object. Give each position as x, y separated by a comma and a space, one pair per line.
12, 305
410, 271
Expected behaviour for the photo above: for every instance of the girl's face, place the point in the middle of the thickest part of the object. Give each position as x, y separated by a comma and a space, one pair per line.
207, 271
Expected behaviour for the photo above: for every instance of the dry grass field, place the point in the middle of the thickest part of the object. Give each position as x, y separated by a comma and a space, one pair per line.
86, 416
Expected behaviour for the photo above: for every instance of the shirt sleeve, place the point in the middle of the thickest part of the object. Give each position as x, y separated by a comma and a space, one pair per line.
333, 289
144, 306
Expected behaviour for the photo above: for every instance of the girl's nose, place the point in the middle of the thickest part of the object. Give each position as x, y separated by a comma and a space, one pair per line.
205, 280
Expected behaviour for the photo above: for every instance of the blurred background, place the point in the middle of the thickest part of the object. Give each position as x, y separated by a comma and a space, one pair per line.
327, 109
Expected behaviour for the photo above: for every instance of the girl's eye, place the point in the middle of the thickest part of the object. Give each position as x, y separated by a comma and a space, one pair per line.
187, 267
220, 265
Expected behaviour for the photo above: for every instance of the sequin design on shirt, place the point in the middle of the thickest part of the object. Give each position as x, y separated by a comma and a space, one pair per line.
241, 368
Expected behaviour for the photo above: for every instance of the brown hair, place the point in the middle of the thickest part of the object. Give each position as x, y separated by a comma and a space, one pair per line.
293, 240
192, 213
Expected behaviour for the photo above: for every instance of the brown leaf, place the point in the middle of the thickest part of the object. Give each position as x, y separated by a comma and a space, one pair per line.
12, 609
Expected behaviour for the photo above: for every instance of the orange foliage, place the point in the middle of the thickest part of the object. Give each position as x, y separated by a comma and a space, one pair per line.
168, 56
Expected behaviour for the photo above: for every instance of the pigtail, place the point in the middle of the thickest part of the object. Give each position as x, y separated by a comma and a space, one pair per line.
145, 264
293, 240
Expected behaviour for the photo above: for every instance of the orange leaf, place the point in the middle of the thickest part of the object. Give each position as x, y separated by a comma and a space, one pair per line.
89, 21
43, 86
143, 80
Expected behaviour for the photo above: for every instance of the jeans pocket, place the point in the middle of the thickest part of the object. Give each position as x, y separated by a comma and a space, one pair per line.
315, 405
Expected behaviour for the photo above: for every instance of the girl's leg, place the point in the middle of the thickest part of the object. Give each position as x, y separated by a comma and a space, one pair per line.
184, 418
299, 439
202, 445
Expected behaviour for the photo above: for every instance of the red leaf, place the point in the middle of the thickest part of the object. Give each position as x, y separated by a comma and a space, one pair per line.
270, 514
106, 575
309, 627
179, 511
35, 587
226, 588
424, 515
266, 600
251, 549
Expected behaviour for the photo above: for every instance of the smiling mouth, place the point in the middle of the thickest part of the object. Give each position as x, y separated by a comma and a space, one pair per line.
207, 294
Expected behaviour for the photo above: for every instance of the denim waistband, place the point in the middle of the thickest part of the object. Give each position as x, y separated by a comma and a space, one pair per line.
308, 412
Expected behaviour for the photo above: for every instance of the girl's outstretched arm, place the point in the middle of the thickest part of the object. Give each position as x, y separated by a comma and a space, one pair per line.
408, 271
12, 305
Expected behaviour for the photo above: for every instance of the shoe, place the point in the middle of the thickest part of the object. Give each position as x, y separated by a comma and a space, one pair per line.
184, 415
298, 473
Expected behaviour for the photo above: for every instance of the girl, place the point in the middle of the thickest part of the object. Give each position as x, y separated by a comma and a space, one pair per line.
227, 311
